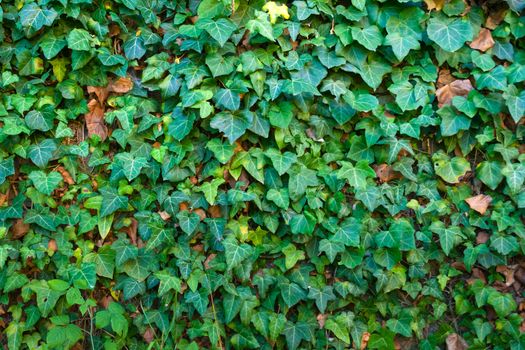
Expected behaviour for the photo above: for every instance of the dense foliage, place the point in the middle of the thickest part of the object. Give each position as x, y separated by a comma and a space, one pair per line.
249, 174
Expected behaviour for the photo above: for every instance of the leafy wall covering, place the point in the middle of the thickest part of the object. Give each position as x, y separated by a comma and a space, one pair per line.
246, 174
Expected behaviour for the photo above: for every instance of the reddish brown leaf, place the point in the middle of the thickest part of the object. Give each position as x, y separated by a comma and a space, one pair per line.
456, 342
519, 275
482, 237
456, 88
66, 175
495, 17
121, 85
19, 229
215, 211
132, 231
52, 245
479, 203
114, 29
3, 199
364, 340
201, 213
479, 274
484, 40
508, 272
208, 260
444, 77
164, 215
100, 91
384, 172
321, 319
95, 120
149, 335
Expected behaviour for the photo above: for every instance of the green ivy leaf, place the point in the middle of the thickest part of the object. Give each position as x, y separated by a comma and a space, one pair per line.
515, 102
188, 222
232, 125
131, 165
45, 183
449, 33
236, 252
448, 169
35, 17
220, 30
42, 153
79, 39
112, 201
357, 174
7, 168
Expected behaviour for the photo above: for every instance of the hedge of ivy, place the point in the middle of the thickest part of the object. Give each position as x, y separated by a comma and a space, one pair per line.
247, 174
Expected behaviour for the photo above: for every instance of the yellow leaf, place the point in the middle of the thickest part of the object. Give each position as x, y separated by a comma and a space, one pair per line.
435, 4
275, 11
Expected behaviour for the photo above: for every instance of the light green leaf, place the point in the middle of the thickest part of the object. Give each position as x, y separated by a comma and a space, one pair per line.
281, 162
134, 48
448, 169
45, 183
449, 33
112, 201
236, 252
34, 17
356, 175
220, 30
233, 126
515, 102
188, 222
131, 165
181, 124
79, 39
279, 196
370, 36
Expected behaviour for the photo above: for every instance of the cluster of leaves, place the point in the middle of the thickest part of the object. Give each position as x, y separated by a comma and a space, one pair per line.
242, 174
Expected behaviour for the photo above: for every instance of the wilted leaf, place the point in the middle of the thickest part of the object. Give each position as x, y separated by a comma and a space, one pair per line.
95, 120
456, 342
446, 93
483, 41
479, 203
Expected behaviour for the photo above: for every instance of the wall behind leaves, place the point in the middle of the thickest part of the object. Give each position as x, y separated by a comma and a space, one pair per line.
248, 174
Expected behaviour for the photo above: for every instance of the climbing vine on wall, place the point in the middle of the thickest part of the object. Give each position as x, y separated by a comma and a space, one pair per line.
247, 174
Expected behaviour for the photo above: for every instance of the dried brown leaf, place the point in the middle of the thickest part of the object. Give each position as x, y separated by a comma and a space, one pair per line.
484, 40
100, 91
321, 320
208, 260
384, 172
495, 17
201, 213
479, 203
456, 88
95, 120
456, 342
132, 230
519, 275
215, 211
121, 85
66, 175
52, 245
19, 229
364, 340
444, 77
508, 272
149, 335
482, 237
164, 215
